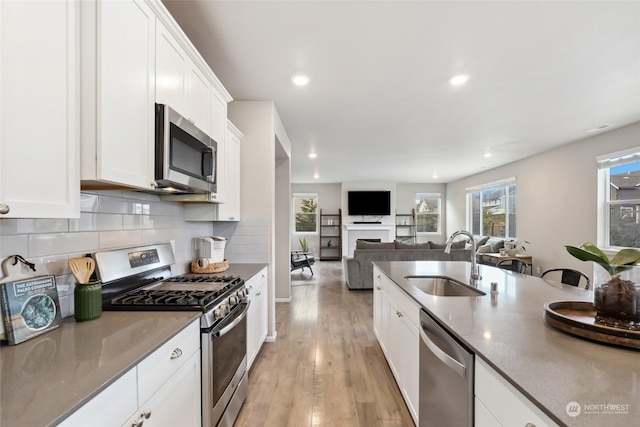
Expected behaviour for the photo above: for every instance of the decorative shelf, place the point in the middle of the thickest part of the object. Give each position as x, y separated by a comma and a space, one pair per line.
331, 236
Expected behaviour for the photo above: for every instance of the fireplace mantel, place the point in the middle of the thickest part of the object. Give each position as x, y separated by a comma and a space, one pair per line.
353, 232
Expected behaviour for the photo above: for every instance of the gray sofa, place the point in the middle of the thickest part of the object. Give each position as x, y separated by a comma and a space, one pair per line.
359, 269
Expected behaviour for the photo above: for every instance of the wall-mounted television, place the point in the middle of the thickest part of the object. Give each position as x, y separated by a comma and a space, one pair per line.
369, 202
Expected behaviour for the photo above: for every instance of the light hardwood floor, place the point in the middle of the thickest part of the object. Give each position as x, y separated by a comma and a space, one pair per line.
326, 367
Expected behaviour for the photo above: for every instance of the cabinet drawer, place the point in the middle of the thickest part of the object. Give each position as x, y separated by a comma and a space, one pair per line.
256, 280
156, 369
112, 406
380, 280
503, 401
407, 305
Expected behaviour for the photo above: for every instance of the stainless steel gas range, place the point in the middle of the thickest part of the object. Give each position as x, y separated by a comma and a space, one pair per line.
139, 278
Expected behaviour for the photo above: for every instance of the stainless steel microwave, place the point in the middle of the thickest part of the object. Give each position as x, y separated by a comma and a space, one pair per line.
185, 156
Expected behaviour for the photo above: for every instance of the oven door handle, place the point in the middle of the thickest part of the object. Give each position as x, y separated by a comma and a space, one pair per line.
237, 320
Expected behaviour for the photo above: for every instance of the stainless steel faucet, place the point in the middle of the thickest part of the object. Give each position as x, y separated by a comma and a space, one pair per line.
475, 273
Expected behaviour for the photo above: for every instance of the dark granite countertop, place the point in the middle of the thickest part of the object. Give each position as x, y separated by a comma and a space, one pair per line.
550, 367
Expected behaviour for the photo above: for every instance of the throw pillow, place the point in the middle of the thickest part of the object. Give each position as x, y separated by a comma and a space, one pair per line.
454, 245
402, 245
484, 249
496, 244
363, 244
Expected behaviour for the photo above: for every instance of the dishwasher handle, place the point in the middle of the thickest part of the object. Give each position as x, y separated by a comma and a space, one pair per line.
452, 363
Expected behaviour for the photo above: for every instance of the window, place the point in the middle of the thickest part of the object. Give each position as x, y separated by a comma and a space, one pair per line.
305, 212
619, 176
428, 212
491, 209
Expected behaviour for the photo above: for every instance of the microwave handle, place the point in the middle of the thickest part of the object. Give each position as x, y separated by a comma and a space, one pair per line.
207, 162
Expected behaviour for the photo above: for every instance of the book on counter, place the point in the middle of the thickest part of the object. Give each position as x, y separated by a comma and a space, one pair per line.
30, 307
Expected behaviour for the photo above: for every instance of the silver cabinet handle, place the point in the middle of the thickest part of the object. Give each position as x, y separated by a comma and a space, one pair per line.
399, 313
258, 294
378, 288
4, 208
144, 415
529, 425
177, 352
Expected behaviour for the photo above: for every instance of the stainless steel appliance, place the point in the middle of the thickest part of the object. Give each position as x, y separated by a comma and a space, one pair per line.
185, 157
446, 377
139, 278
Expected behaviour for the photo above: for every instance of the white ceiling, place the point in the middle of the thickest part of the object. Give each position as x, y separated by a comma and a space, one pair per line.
379, 106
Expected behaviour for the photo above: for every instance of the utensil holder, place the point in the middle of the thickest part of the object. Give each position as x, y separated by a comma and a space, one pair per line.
87, 301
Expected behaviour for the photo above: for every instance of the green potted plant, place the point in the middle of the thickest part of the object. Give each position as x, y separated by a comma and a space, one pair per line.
304, 244
616, 295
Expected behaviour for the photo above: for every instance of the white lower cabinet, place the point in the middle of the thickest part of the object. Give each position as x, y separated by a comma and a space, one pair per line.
177, 402
164, 389
498, 403
257, 326
396, 321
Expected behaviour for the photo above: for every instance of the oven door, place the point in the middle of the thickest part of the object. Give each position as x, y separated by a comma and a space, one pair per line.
224, 363
185, 155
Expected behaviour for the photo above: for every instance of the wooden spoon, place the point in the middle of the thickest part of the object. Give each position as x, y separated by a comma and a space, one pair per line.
82, 269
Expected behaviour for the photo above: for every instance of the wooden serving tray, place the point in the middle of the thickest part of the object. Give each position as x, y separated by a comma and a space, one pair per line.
578, 318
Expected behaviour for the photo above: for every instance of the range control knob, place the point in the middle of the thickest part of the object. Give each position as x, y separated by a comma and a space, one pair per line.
241, 293
233, 300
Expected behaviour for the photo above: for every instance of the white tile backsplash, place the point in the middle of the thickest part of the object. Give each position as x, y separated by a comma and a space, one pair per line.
111, 219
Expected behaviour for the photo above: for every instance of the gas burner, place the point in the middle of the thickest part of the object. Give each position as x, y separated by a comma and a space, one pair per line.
162, 297
202, 279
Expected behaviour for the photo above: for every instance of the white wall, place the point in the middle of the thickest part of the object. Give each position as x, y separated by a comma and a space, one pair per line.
557, 197
265, 141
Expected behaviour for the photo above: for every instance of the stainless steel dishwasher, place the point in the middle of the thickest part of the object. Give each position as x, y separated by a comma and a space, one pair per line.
446, 377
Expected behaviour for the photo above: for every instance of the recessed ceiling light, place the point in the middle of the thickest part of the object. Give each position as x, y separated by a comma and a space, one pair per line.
313, 155
458, 79
597, 129
435, 175
300, 80
487, 155
316, 176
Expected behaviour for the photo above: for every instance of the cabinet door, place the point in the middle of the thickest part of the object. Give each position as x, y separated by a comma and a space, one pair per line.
171, 64
126, 92
197, 98
218, 116
230, 209
112, 406
177, 402
262, 317
507, 405
377, 304
257, 318
39, 110
410, 366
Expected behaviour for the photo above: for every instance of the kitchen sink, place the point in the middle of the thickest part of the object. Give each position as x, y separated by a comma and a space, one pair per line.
443, 286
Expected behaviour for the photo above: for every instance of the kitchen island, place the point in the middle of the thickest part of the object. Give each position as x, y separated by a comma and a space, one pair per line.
550, 368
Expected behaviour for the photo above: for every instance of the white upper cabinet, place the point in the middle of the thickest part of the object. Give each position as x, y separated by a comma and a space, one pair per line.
171, 64
229, 181
118, 81
179, 81
39, 109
